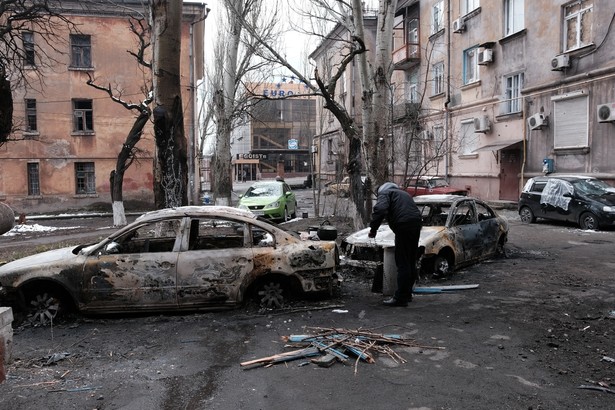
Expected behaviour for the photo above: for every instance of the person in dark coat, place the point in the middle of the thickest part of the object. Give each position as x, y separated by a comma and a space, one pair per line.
404, 218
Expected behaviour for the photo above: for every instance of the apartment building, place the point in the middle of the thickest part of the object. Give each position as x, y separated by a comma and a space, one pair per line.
69, 134
490, 93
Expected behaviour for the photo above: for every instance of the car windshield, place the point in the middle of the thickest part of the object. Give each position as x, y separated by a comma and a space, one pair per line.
264, 190
439, 182
592, 187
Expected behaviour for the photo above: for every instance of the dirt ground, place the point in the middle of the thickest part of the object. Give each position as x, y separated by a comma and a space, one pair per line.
538, 333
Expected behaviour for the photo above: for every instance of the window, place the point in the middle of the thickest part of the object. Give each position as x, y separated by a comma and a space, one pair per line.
151, 237
571, 120
438, 79
513, 16
412, 85
466, 6
468, 140
577, 24
512, 99
83, 116
28, 48
438, 140
85, 178
34, 184
31, 115
470, 65
437, 12
81, 51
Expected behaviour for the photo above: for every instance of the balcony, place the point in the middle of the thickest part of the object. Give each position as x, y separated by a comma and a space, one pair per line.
407, 56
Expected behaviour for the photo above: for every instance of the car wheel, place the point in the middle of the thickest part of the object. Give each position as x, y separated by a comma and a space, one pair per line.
500, 250
43, 307
272, 294
442, 265
293, 215
285, 214
526, 215
589, 221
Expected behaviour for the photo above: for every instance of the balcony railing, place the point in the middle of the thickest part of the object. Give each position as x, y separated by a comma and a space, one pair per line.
406, 56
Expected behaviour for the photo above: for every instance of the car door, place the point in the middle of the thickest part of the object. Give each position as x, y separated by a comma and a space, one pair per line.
464, 231
136, 271
291, 200
216, 257
555, 199
488, 231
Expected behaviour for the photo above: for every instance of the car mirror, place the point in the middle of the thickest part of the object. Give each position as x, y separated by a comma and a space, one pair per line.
112, 247
567, 195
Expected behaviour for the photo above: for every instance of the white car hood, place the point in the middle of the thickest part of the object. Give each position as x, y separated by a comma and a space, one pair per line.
386, 238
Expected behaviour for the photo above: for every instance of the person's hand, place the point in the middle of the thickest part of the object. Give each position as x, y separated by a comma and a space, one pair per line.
371, 234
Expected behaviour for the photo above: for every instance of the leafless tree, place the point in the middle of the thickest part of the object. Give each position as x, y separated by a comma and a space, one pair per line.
21, 58
375, 74
129, 151
235, 68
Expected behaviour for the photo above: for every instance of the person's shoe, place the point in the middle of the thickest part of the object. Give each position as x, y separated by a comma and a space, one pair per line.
394, 302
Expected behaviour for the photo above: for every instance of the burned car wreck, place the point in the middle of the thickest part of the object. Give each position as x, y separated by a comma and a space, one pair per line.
185, 258
457, 231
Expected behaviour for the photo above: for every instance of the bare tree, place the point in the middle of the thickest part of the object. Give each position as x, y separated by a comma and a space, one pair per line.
21, 58
129, 151
171, 161
236, 65
375, 77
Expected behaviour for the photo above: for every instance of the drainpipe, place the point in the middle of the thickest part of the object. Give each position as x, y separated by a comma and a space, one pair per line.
191, 132
447, 117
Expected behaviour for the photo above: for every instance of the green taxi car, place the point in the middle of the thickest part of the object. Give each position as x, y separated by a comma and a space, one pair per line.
270, 199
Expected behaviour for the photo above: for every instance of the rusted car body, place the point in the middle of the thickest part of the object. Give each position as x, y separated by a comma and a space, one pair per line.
457, 231
430, 185
185, 258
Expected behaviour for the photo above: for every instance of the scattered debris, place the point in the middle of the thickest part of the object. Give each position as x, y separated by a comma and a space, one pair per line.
443, 289
599, 388
56, 357
337, 345
607, 359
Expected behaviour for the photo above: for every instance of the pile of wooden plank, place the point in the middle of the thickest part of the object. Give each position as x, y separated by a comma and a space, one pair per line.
326, 346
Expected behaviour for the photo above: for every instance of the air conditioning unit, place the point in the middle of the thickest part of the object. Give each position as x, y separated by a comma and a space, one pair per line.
560, 62
485, 56
537, 121
606, 112
459, 25
482, 124
314, 149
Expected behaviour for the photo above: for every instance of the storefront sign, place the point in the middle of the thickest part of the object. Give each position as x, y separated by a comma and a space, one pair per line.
251, 156
277, 93
293, 144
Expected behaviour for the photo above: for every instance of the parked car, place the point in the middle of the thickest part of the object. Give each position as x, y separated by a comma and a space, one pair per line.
586, 201
270, 199
341, 188
457, 231
185, 258
431, 185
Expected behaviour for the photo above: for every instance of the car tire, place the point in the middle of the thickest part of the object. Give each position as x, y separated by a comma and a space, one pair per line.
271, 294
589, 221
526, 215
293, 215
285, 217
442, 265
44, 306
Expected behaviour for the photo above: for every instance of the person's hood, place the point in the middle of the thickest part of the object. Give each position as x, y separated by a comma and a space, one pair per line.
386, 186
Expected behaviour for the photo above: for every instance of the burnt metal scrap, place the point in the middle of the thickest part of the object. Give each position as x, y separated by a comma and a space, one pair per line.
326, 346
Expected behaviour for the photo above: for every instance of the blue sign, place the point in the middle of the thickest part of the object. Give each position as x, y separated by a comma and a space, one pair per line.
293, 144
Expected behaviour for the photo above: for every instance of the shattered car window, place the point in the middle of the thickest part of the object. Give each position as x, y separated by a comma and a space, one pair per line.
216, 233
157, 236
434, 214
264, 190
592, 187
554, 191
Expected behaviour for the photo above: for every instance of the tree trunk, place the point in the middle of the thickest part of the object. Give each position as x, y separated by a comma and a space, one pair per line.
124, 159
171, 160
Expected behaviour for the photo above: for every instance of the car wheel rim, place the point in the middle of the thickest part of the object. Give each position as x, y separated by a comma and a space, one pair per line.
44, 309
272, 295
441, 268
